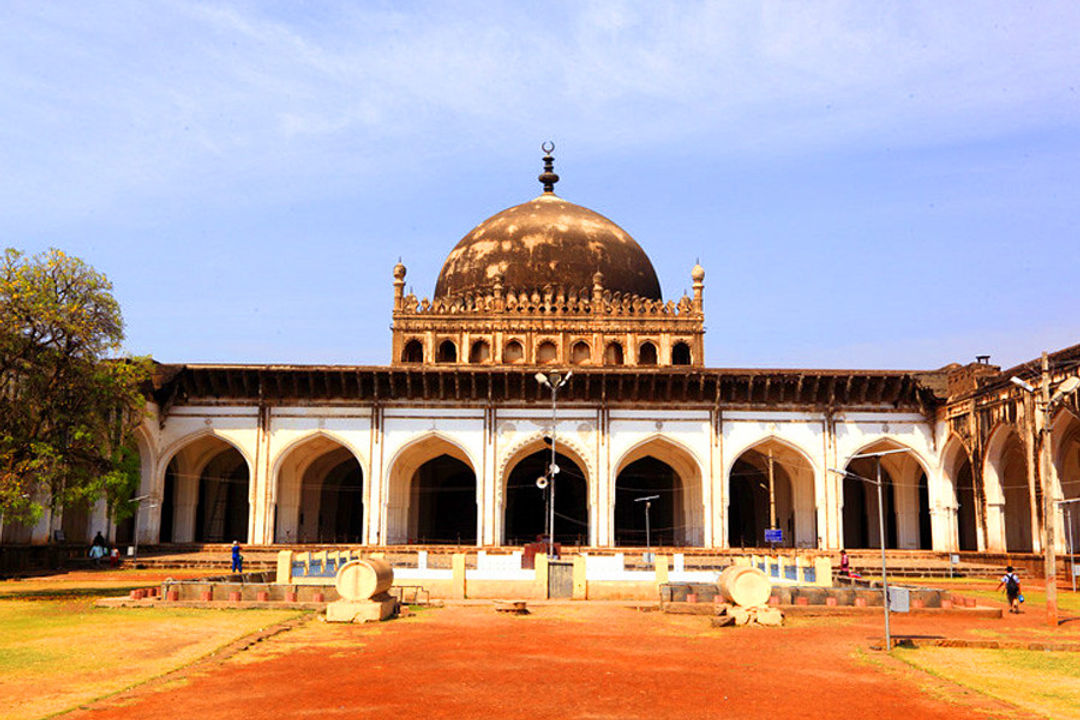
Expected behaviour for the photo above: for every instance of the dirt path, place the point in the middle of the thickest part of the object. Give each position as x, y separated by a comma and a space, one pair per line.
581, 661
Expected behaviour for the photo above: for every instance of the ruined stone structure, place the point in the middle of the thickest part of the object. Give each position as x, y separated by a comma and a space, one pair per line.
445, 443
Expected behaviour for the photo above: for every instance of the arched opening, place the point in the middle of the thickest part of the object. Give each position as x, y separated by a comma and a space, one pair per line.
546, 353
204, 494
480, 352
581, 353
432, 494
124, 532
447, 352
221, 513
168, 505
1066, 445
443, 506
676, 518
959, 472
905, 499
642, 479
320, 494
413, 352
647, 354
1007, 487
680, 354
526, 510
513, 352
752, 500
613, 354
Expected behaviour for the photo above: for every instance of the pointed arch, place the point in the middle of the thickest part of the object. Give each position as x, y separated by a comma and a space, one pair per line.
1065, 443
317, 490
1008, 491
794, 486
123, 531
521, 505
905, 496
419, 465
674, 471
208, 475
962, 500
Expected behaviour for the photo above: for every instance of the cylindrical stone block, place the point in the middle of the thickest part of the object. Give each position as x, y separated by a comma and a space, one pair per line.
830, 601
172, 595
234, 596
691, 597
860, 602
802, 600
946, 604
318, 597
364, 579
744, 586
262, 596
290, 596
206, 595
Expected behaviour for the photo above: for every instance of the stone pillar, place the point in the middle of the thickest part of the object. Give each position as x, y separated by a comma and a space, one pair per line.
487, 482
374, 487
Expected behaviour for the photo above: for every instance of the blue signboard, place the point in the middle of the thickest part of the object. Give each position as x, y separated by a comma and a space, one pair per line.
774, 535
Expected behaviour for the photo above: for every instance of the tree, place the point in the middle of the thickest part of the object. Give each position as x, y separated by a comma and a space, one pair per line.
67, 411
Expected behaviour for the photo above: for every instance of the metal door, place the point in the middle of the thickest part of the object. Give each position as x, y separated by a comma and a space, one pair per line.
560, 579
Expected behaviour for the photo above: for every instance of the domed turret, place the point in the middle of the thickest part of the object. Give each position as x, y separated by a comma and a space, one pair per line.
547, 241
548, 282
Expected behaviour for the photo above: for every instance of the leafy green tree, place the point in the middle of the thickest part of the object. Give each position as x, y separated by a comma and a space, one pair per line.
67, 411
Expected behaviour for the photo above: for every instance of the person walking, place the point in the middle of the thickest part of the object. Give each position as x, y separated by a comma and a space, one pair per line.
237, 558
1011, 582
98, 549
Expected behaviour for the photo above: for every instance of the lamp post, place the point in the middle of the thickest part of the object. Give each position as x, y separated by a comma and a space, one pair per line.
555, 382
1068, 532
135, 525
648, 538
1045, 404
881, 529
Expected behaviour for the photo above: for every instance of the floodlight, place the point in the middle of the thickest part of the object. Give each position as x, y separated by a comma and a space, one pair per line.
1022, 384
542, 379
1066, 387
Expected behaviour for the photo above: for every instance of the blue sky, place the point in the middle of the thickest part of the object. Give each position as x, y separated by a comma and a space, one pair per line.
866, 184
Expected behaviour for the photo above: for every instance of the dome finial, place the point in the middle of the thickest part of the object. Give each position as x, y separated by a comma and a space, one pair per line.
548, 177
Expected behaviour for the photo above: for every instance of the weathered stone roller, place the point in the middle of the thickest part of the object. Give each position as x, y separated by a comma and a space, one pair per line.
744, 586
364, 579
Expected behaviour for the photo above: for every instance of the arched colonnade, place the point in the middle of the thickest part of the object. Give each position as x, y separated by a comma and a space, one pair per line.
432, 491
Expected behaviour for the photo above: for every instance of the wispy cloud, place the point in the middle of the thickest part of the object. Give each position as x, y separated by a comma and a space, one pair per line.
106, 102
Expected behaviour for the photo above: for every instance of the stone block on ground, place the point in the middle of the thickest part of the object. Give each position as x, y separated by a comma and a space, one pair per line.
771, 617
361, 611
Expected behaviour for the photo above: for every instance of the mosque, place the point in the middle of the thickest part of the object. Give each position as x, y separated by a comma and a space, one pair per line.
548, 335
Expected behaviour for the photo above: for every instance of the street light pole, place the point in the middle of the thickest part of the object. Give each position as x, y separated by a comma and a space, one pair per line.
554, 381
881, 530
881, 541
648, 538
1049, 510
135, 525
1045, 404
1069, 535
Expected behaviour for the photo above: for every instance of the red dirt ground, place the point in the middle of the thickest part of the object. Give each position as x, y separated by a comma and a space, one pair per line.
587, 660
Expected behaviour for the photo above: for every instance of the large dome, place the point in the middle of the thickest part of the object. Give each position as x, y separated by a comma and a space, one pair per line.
547, 241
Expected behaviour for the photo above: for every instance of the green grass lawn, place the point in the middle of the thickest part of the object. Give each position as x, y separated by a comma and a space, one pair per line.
1043, 682
57, 654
